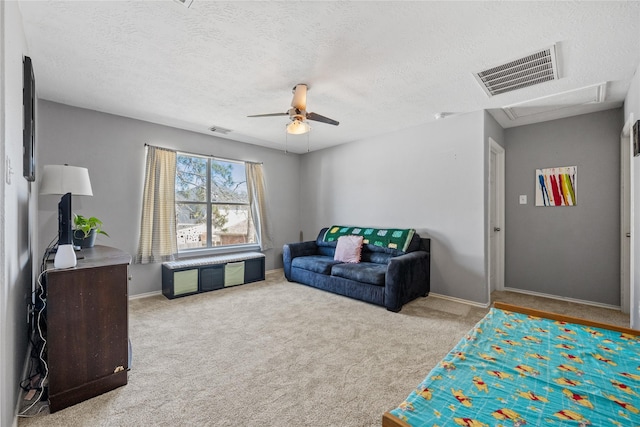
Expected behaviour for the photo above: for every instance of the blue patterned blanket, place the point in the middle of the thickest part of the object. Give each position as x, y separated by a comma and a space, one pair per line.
514, 369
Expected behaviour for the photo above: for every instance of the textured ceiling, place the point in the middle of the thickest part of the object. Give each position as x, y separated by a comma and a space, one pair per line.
374, 66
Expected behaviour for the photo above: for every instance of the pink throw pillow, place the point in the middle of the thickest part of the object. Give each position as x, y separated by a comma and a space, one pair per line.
348, 249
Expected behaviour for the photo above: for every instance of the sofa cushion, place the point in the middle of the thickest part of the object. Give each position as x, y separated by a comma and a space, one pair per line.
320, 239
316, 263
375, 257
326, 251
365, 272
348, 249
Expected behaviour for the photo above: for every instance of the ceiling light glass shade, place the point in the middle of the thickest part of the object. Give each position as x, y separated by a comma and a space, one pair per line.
63, 179
298, 127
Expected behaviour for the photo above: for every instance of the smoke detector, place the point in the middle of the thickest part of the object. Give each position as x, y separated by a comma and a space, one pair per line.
529, 70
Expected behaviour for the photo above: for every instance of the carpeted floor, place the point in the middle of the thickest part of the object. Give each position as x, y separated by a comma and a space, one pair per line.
275, 353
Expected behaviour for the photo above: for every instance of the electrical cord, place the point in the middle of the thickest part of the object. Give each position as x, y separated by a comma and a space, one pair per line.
49, 249
42, 348
35, 346
38, 343
37, 336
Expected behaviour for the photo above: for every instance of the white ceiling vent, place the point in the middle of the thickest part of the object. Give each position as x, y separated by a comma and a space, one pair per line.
569, 101
538, 67
219, 129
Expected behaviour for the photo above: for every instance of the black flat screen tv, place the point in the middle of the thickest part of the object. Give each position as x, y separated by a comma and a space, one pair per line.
29, 129
64, 220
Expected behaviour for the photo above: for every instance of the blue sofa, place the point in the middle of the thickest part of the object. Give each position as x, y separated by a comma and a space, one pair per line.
386, 277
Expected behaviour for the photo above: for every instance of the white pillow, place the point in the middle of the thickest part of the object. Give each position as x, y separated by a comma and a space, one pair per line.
348, 249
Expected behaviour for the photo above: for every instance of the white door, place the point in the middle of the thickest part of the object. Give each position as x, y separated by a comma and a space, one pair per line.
496, 217
626, 154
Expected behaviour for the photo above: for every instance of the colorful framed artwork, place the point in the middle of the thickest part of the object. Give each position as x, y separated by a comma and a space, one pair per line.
556, 186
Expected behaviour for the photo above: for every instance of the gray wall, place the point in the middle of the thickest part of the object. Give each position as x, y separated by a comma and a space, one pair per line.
112, 148
492, 129
565, 251
430, 178
18, 206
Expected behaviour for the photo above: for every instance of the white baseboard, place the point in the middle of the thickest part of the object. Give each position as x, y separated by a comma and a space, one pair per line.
460, 300
154, 293
559, 298
145, 295
25, 373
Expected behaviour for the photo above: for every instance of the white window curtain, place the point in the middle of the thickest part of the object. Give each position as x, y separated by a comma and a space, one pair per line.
158, 241
258, 203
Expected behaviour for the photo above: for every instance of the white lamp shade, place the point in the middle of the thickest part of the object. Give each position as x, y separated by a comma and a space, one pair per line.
298, 127
63, 179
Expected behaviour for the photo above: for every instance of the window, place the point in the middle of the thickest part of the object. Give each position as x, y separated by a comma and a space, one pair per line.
212, 205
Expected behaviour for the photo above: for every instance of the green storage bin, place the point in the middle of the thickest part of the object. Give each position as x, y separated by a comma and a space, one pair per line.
234, 273
185, 282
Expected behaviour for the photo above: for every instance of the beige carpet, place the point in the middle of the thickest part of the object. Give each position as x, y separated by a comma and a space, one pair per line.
275, 353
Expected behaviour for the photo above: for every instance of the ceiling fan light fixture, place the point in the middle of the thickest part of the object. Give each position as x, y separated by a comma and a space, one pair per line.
298, 127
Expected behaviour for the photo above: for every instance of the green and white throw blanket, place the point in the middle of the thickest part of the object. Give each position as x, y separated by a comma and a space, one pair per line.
392, 238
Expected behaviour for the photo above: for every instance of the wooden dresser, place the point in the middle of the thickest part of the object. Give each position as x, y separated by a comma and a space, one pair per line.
87, 326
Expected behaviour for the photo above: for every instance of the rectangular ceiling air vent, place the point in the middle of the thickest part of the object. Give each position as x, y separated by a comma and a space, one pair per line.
219, 129
538, 67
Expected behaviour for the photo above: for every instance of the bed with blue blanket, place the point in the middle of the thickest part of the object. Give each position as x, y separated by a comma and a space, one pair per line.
520, 367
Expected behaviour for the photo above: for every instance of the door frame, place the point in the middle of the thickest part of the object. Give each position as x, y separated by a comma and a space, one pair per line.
498, 211
626, 216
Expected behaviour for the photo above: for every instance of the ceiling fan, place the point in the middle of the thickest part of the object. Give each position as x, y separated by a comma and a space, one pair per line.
298, 112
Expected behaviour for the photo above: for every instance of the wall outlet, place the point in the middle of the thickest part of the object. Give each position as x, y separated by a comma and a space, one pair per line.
523, 199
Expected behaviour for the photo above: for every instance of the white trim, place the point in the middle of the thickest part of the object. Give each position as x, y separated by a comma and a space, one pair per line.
559, 298
25, 374
499, 166
155, 293
634, 310
145, 295
5, 397
460, 300
626, 208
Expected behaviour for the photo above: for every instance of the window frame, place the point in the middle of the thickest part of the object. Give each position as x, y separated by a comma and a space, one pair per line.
208, 203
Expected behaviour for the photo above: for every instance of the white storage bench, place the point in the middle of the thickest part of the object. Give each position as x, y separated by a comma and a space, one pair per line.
193, 275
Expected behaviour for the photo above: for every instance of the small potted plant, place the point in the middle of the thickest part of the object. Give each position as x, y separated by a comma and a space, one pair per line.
85, 230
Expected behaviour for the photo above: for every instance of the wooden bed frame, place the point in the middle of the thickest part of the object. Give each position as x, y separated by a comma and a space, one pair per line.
389, 420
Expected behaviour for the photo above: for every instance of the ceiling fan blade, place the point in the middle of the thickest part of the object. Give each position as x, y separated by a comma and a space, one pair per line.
299, 100
270, 115
323, 119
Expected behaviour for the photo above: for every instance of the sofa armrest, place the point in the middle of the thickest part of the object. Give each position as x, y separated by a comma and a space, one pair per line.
408, 277
293, 250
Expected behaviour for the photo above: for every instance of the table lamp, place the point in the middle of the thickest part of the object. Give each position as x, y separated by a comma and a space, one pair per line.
65, 180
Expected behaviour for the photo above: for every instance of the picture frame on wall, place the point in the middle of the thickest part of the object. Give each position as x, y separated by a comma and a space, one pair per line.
557, 186
29, 125
636, 138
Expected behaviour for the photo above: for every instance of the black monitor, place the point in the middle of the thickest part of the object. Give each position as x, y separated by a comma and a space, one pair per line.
64, 221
